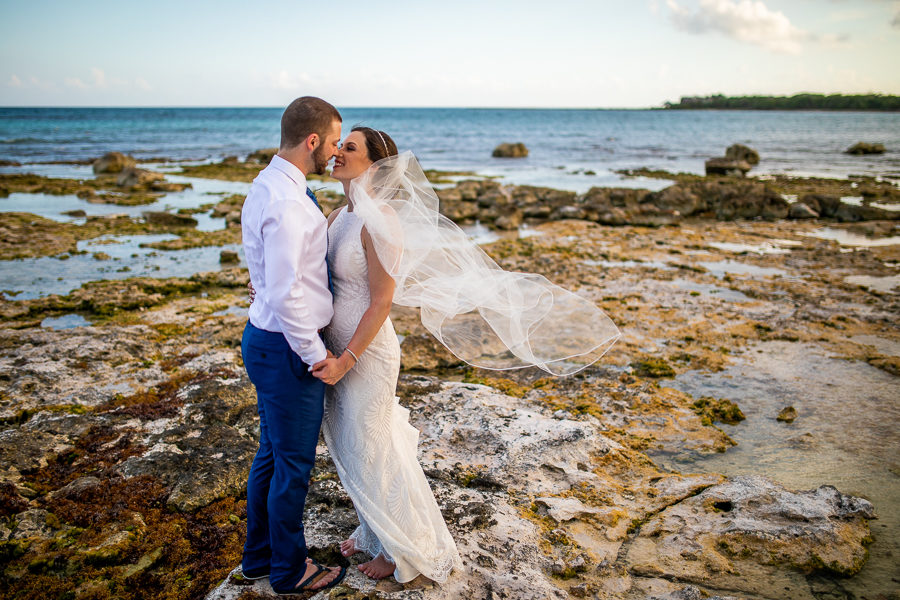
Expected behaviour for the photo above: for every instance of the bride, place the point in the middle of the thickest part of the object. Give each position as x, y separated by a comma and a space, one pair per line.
368, 434
390, 244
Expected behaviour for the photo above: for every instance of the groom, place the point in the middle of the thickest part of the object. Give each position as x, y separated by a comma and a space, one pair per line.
284, 238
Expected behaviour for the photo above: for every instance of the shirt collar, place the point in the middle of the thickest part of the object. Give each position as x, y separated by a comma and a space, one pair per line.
288, 169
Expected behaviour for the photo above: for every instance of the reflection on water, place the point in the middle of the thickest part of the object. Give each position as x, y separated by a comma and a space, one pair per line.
69, 321
36, 277
846, 238
626, 264
773, 247
885, 284
845, 435
708, 288
720, 268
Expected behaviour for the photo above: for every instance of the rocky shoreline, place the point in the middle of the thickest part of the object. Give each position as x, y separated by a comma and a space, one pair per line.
126, 443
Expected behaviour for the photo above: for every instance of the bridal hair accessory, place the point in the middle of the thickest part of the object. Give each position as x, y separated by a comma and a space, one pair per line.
386, 151
486, 316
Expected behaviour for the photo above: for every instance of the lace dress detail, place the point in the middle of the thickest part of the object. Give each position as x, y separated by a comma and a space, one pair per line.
368, 433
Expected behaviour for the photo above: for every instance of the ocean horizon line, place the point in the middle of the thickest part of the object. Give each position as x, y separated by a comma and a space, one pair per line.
354, 107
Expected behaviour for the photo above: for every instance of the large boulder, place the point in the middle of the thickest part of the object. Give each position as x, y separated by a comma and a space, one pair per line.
742, 152
517, 150
727, 166
113, 162
860, 148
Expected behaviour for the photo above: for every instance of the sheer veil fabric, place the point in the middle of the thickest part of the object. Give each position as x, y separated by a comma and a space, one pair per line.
487, 317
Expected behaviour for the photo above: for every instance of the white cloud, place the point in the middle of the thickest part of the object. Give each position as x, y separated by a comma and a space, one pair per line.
285, 81
14, 81
99, 77
75, 82
748, 21
142, 84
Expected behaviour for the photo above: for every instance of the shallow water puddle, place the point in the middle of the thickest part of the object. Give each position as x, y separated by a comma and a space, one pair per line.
846, 238
723, 267
36, 277
714, 290
69, 321
845, 433
885, 284
764, 248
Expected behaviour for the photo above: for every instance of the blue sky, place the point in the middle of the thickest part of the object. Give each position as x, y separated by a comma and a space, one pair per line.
565, 53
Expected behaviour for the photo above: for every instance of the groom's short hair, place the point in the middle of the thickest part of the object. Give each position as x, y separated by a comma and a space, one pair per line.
305, 116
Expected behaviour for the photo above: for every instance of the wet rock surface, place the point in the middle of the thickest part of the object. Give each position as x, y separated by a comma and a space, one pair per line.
125, 444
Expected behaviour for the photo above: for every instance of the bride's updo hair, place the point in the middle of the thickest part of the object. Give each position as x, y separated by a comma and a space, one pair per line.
378, 144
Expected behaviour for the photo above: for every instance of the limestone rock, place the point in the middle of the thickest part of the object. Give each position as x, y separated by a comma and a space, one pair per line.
263, 156
741, 534
727, 166
169, 219
825, 205
787, 415
227, 257
509, 219
742, 152
423, 352
861, 148
800, 210
851, 213
113, 162
132, 177
507, 150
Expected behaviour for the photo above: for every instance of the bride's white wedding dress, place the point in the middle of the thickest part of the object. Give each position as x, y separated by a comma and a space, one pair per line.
368, 433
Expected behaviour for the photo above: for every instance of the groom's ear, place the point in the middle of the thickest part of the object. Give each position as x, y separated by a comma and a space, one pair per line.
312, 141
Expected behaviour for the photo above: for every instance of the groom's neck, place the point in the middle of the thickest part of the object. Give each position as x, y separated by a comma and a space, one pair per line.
298, 157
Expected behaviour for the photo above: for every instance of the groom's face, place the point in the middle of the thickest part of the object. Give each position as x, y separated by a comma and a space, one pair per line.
325, 150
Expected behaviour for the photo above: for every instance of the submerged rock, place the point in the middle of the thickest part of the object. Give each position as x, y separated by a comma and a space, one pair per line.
113, 162
860, 148
787, 415
507, 150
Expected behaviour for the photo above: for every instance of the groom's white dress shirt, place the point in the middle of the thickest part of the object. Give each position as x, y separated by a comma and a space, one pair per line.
285, 238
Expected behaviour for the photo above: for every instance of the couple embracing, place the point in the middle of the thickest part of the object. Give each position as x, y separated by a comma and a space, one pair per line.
322, 353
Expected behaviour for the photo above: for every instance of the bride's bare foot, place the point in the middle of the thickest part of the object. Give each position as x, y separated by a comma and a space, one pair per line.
377, 568
348, 548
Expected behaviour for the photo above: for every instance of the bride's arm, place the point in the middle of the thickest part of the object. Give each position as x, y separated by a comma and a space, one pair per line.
381, 294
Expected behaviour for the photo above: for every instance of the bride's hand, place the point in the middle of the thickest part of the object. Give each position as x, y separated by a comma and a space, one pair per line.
252, 291
331, 370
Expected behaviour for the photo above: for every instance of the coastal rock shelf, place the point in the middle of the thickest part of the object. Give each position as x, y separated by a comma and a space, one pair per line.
126, 438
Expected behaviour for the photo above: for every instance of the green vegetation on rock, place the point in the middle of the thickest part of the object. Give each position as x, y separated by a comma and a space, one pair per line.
879, 102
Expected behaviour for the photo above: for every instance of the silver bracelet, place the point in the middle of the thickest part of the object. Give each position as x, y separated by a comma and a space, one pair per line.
355, 358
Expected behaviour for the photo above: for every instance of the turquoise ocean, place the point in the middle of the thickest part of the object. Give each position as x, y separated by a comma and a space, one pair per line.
563, 144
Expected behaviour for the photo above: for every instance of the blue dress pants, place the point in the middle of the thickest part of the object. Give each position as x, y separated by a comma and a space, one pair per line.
290, 403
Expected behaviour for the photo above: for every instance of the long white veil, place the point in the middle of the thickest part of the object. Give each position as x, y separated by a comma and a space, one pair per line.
486, 316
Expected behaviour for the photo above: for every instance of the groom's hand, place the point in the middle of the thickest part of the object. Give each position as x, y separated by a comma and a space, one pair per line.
332, 369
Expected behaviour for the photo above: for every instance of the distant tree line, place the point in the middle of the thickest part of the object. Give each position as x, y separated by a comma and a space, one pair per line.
796, 102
